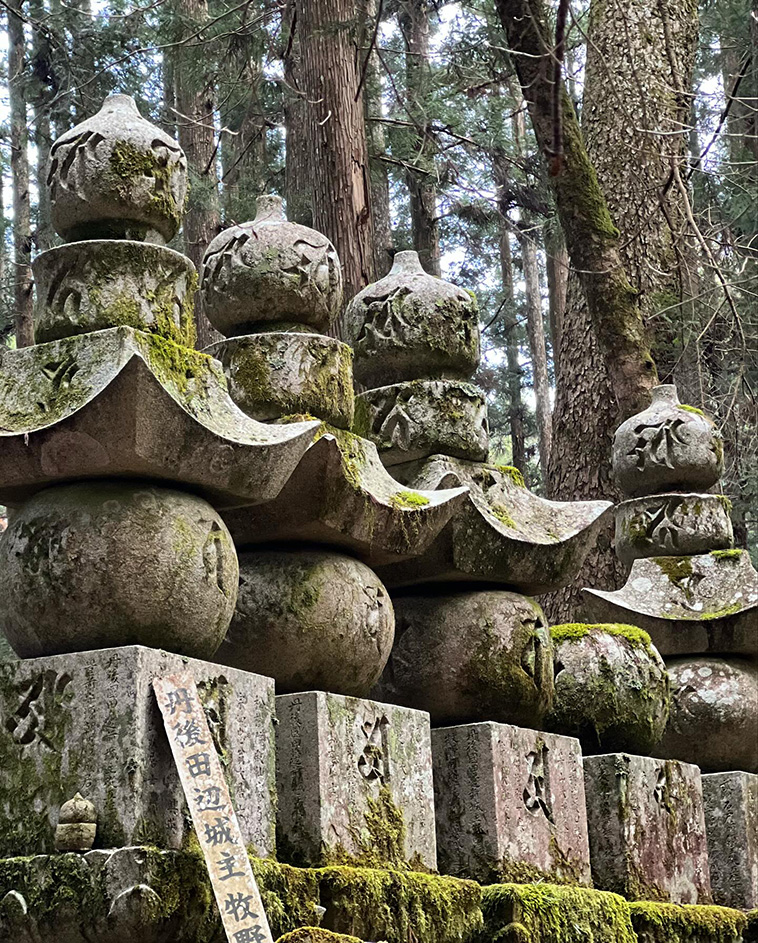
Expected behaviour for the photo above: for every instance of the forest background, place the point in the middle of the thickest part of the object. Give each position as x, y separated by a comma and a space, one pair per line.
589, 169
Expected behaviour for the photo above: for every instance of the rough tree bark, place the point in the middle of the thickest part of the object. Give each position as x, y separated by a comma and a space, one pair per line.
510, 324
607, 369
298, 185
557, 270
195, 104
22, 229
413, 16
377, 143
44, 235
335, 131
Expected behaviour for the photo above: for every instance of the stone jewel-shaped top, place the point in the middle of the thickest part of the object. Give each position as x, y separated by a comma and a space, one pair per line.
413, 326
270, 272
117, 176
668, 446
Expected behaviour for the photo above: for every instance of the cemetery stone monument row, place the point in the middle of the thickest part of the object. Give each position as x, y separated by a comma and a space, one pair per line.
218, 517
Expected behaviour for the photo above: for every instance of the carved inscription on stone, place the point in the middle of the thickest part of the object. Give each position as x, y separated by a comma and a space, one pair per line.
373, 763
537, 790
40, 699
656, 441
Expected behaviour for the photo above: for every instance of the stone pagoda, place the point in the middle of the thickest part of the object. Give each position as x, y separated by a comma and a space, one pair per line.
339, 574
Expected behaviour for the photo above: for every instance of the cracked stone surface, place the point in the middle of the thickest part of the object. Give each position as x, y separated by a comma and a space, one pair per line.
62, 403
688, 605
503, 535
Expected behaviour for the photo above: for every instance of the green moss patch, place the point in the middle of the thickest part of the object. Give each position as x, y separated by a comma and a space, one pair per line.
409, 500
129, 163
690, 409
513, 473
400, 906
547, 913
575, 631
674, 923
316, 935
727, 554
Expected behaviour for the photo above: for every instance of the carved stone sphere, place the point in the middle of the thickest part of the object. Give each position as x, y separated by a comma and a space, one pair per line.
310, 619
471, 656
107, 563
611, 688
270, 272
413, 326
714, 714
667, 447
116, 176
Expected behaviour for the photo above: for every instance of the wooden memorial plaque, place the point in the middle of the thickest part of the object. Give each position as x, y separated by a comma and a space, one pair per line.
239, 901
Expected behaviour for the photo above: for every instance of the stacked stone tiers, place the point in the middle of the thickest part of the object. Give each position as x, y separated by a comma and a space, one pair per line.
695, 595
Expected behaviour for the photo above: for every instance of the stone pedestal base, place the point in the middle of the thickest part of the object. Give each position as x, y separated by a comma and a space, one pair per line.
647, 828
731, 821
510, 804
354, 782
89, 723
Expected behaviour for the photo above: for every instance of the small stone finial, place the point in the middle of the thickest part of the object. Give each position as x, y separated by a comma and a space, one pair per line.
270, 272
117, 176
77, 825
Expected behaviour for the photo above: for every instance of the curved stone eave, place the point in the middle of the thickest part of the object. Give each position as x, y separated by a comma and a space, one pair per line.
341, 496
119, 404
673, 612
504, 535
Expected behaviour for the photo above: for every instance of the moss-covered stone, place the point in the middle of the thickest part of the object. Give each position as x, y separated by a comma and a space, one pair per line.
674, 923
551, 914
316, 935
409, 500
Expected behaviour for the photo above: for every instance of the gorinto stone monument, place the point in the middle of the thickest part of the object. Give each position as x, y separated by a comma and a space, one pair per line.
249, 519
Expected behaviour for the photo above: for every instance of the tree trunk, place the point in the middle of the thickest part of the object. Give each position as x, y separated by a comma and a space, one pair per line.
195, 102
534, 324
22, 229
421, 178
44, 235
557, 269
377, 144
336, 136
298, 184
536, 332
510, 323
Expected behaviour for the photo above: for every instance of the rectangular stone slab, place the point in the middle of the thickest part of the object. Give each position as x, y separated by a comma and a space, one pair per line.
510, 804
354, 778
647, 828
731, 822
89, 723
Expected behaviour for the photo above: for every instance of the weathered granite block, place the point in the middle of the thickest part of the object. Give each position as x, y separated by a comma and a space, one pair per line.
354, 781
89, 723
647, 828
731, 822
510, 804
